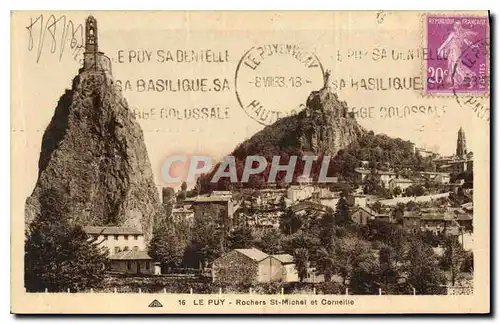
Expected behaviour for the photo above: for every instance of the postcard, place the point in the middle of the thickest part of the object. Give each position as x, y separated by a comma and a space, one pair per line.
319, 162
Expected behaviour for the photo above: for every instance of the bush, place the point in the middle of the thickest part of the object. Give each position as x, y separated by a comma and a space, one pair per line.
330, 288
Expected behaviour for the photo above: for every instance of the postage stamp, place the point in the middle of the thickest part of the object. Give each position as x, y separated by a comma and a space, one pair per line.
180, 165
458, 61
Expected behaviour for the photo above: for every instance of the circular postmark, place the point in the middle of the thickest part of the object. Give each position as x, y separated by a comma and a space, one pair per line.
273, 80
475, 58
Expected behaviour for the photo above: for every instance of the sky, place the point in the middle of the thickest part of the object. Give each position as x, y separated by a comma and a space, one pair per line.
354, 52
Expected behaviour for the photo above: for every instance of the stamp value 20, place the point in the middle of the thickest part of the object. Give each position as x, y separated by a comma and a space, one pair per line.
459, 55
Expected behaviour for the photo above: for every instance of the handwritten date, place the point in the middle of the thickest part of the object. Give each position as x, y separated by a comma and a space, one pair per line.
61, 33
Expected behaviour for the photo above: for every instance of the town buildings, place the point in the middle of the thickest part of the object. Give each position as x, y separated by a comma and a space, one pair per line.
437, 177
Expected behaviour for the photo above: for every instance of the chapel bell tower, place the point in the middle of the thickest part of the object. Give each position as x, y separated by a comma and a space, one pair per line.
91, 35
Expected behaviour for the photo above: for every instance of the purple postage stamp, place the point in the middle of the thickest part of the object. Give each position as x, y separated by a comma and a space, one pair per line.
458, 48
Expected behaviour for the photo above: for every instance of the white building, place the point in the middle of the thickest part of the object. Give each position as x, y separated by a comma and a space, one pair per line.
290, 273
117, 239
298, 193
386, 177
400, 182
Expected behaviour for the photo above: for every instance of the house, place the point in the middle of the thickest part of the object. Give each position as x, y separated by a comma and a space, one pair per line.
132, 262
361, 174
204, 204
289, 272
182, 214
299, 192
438, 177
364, 215
439, 222
326, 197
465, 221
244, 266
360, 200
423, 152
469, 207
116, 239
305, 207
386, 177
222, 193
402, 183
411, 221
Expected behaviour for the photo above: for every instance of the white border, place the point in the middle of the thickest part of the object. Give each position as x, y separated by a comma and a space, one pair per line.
190, 5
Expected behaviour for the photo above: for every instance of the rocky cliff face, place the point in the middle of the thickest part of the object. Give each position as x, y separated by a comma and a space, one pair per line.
325, 126
94, 158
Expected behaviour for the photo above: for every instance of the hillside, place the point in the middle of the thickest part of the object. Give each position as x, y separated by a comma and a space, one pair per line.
324, 127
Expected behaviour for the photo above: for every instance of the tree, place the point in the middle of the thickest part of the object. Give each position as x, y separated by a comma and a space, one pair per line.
240, 238
468, 264
453, 258
354, 256
422, 268
166, 247
290, 222
327, 229
59, 256
271, 241
342, 212
168, 194
377, 206
397, 191
182, 194
301, 259
327, 259
373, 184
208, 235
398, 213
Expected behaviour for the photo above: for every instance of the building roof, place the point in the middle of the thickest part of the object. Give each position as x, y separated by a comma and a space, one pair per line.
283, 258
182, 211
308, 205
468, 205
401, 180
411, 214
203, 199
111, 230
362, 171
435, 173
370, 211
438, 216
130, 255
464, 217
253, 253
221, 193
